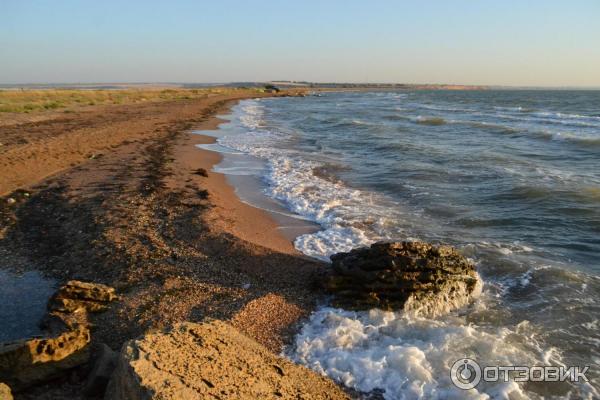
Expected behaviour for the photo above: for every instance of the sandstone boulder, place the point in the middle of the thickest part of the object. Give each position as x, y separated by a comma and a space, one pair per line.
75, 295
210, 360
411, 276
5, 393
29, 362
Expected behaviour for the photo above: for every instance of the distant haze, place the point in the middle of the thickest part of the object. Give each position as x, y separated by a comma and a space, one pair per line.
511, 42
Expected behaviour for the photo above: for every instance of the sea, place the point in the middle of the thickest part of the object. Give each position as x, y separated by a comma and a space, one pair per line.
511, 178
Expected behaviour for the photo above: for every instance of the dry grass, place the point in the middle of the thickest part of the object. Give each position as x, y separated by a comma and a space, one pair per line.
28, 101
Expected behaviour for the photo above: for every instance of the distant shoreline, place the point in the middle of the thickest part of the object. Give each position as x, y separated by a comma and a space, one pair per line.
282, 84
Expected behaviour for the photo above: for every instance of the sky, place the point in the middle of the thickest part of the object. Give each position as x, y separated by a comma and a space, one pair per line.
482, 42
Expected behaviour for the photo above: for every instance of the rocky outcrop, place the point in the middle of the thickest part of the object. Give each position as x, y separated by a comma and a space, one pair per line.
77, 295
31, 361
210, 360
411, 276
28, 362
5, 393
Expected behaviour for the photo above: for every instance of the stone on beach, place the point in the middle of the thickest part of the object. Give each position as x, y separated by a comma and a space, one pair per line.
212, 359
74, 295
5, 392
412, 276
28, 362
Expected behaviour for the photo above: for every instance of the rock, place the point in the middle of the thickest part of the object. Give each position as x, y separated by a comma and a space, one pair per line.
93, 297
5, 393
210, 360
56, 322
201, 172
411, 276
11, 201
104, 365
28, 362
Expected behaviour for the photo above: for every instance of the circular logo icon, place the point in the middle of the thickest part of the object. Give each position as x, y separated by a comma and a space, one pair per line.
465, 373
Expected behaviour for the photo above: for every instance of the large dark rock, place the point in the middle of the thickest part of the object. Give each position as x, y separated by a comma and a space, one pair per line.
411, 276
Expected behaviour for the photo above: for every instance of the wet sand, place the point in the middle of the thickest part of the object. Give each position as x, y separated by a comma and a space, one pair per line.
243, 221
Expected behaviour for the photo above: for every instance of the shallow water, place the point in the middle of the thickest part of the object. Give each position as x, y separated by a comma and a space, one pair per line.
23, 299
511, 178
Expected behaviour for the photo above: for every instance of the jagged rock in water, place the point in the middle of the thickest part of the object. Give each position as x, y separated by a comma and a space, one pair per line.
210, 360
411, 276
93, 297
28, 362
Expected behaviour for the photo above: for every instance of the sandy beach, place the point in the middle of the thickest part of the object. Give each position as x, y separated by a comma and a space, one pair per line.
120, 195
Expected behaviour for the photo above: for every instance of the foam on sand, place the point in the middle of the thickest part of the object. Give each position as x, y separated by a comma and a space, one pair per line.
408, 357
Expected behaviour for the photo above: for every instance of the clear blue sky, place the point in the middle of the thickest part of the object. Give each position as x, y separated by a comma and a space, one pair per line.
505, 42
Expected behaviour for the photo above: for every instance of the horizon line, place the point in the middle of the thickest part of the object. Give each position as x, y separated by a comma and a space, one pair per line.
582, 87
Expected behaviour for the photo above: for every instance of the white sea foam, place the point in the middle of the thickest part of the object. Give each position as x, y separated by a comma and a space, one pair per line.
567, 116
410, 357
518, 109
343, 212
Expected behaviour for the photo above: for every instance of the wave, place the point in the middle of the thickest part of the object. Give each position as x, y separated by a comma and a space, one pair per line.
442, 108
560, 115
547, 118
329, 172
593, 141
576, 139
580, 138
486, 125
406, 357
514, 109
349, 217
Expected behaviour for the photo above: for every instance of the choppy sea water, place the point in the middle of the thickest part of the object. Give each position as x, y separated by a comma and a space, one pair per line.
511, 178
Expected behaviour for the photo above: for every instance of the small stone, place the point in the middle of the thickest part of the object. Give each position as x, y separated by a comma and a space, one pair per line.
201, 172
11, 201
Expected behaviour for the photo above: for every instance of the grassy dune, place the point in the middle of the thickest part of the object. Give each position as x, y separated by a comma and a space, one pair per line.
28, 101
